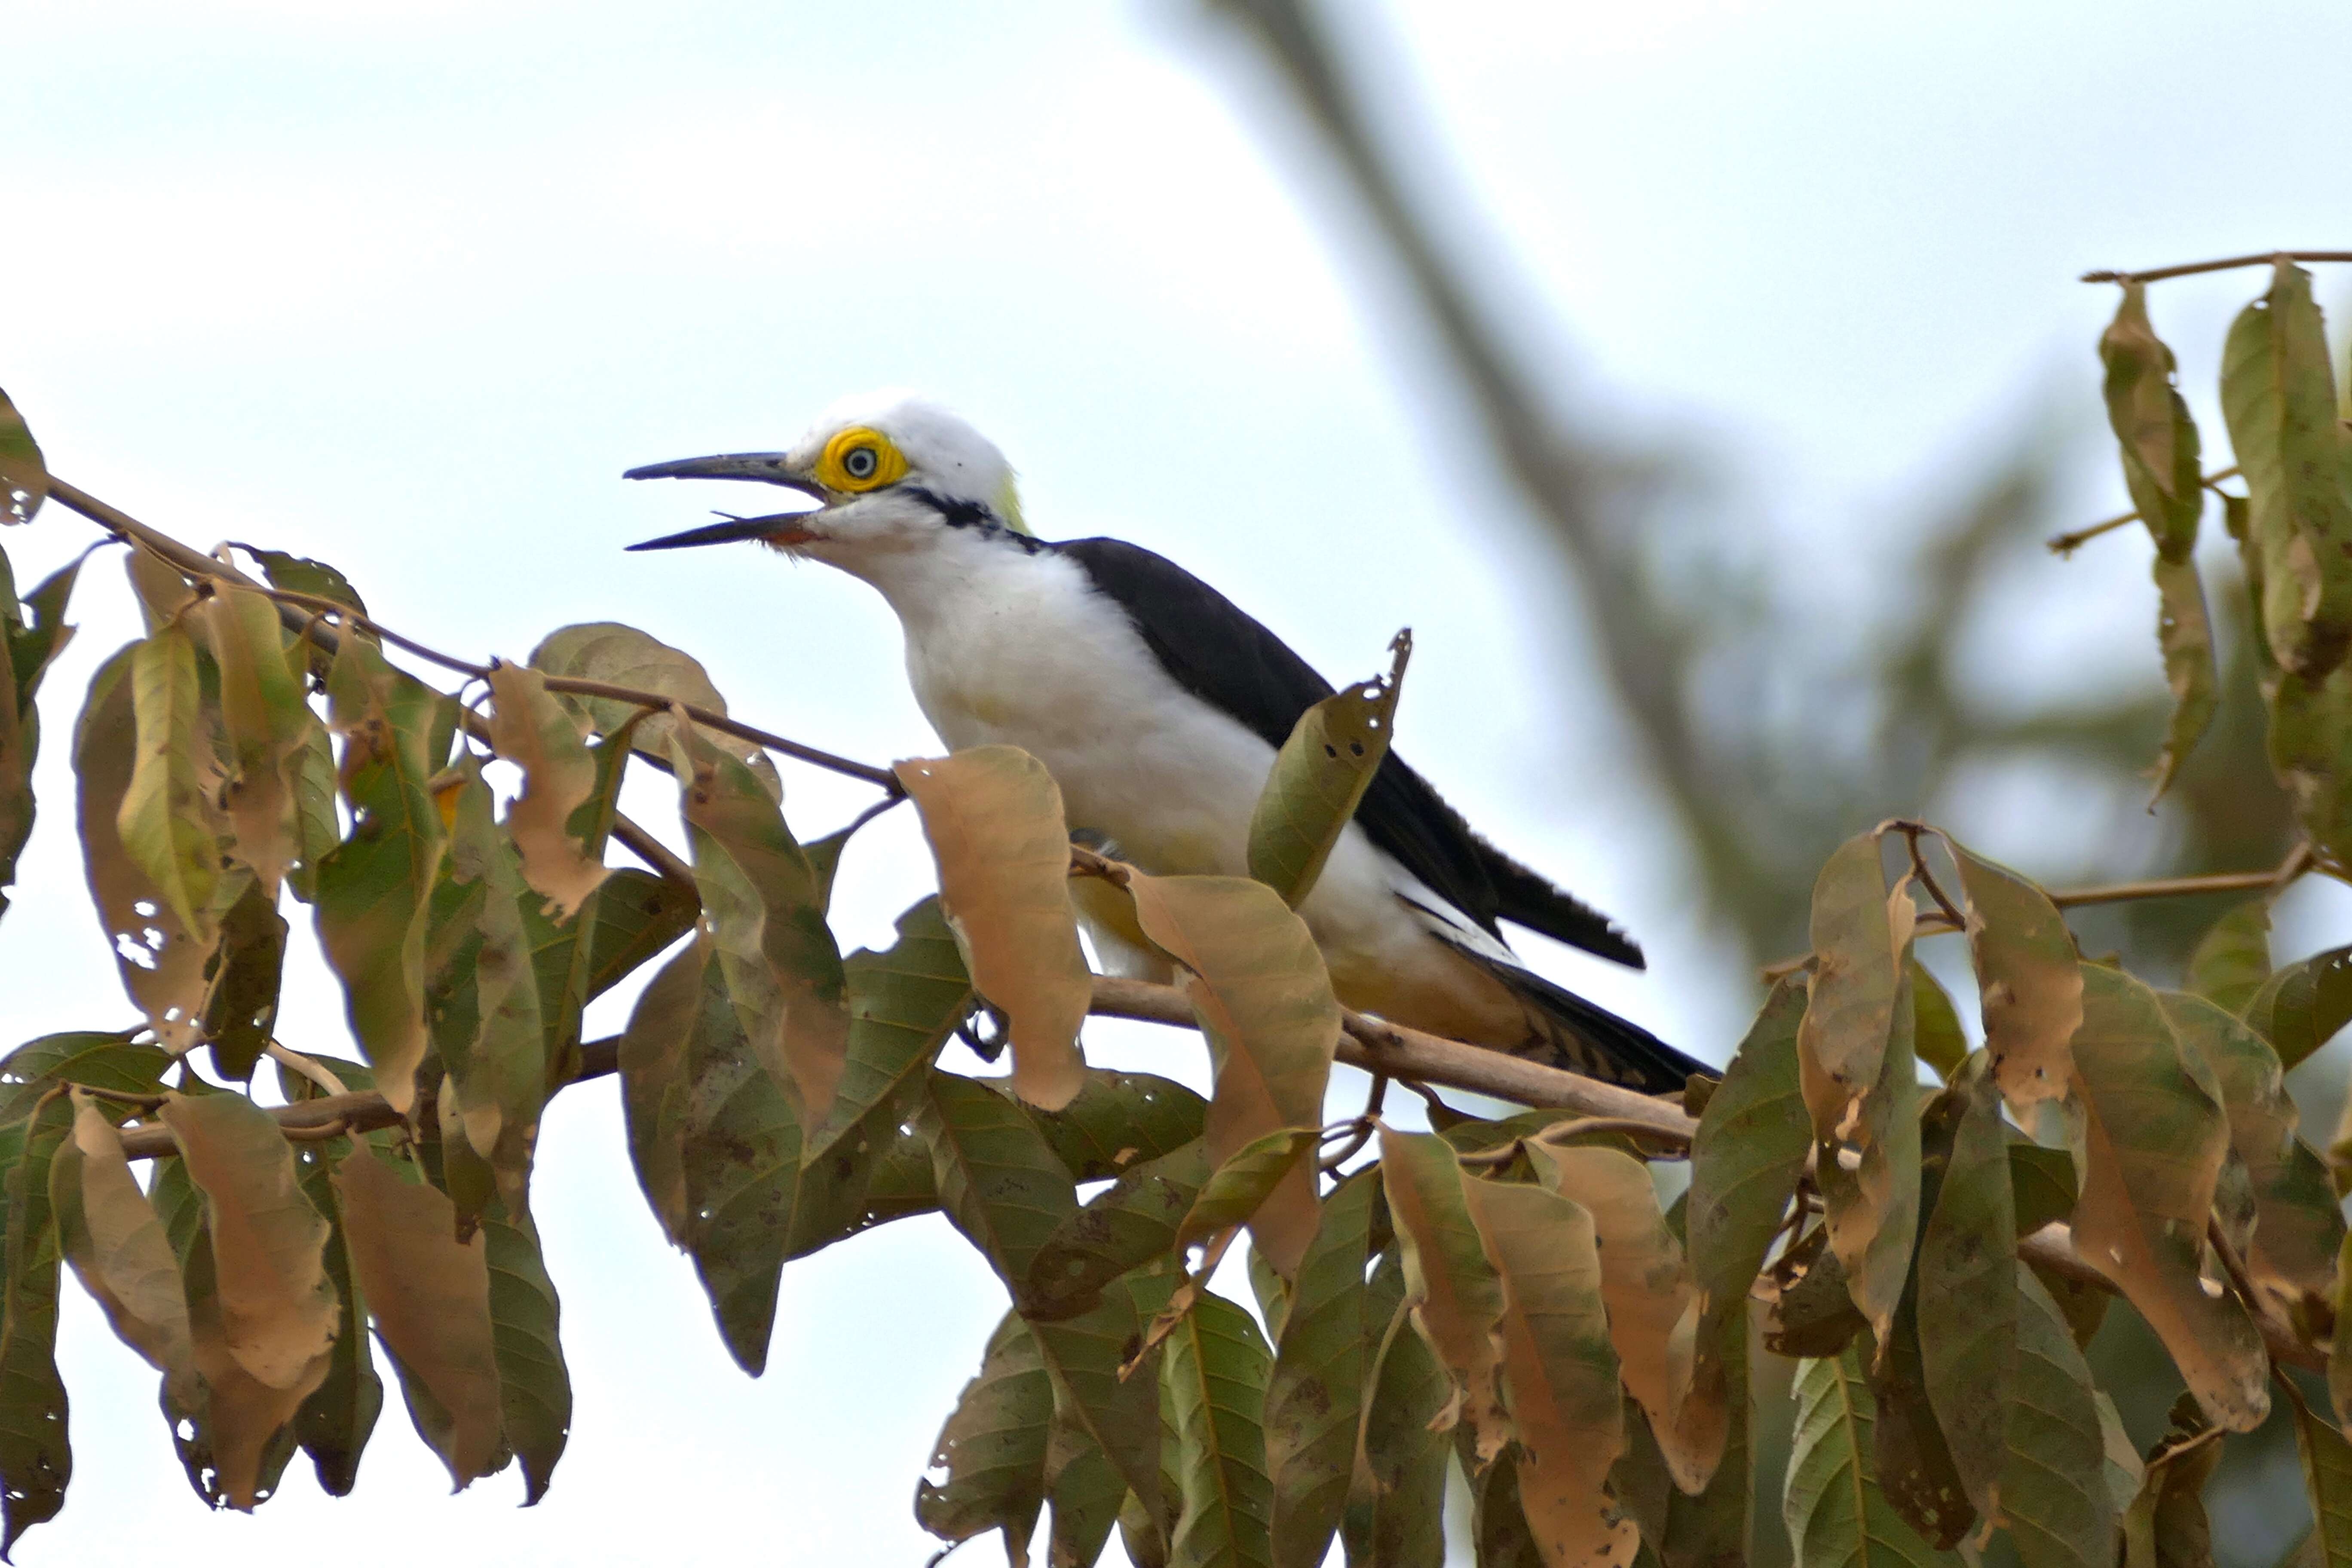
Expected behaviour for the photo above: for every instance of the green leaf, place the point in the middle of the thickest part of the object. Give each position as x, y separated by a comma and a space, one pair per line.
1395, 1514
1263, 999
1833, 1506
637, 916
2233, 959
2152, 426
241, 1004
24, 477
1937, 1038
1118, 1119
1127, 1224
1455, 1297
1121, 1416
1316, 1391
766, 916
35, 1461
1965, 1300
1214, 1376
993, 817
300, 574
335, 1422
2299, 1227
374, 890
1751, 1147
2053, 1496
534, 1385
98, 1060
623, 656
2326, 1477
992, 1447
716, 1141
2300, 1007
29, 644
2185, 634
2279, 397
904, 1002
1084, 1491
316, 818
999, 1179
2166, 1525
2310, 737
167, 821
1319, 775
2155, 1138
1712, 1528
1238, 1187
2042, 1184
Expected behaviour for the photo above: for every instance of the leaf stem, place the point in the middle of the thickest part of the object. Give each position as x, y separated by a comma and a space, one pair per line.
2185, 268
2067, 543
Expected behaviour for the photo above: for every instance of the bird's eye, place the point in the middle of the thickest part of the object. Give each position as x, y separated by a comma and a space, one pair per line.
860, 458
859, 462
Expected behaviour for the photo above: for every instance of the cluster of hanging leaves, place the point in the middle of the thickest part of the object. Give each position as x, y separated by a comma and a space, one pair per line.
1916, 1224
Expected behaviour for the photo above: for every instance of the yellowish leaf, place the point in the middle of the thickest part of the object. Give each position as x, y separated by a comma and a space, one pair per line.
1451, 1287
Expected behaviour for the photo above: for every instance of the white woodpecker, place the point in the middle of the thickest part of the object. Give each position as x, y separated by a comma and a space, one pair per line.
1157, 707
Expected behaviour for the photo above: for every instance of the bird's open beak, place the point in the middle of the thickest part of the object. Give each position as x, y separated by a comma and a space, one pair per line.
767, 468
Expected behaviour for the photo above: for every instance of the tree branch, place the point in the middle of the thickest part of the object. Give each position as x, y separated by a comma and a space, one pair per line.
2067, 543
2157, 275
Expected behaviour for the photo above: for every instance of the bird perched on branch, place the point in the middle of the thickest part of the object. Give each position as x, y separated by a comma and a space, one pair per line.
1158, 706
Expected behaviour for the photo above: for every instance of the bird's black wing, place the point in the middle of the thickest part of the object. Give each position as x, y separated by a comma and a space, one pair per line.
1228, 660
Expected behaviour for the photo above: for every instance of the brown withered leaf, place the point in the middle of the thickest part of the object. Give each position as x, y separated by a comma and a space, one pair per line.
2030, 986
266, 718
1850, 1003
993, 817
1456, 1300
2151, 423
24, 477
277, 1311
1560, 1372
1652, 1305
765, 906
529, 729
623, 656
109, 1233
1263, 998
2155, 1138
430, 1297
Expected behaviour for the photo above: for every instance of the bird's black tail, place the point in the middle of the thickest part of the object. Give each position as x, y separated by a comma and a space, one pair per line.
1564, 1030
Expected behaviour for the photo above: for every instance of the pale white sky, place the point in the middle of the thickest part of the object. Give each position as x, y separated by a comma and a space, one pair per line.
406, 286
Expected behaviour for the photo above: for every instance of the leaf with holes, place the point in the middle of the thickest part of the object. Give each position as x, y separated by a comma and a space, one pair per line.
2154, 1137
529, 729
2279, 397
617, 655
36, 1462
1560, 1370
1456, 1301
1319, 775
1751, 1146
160, 960
993, 817
1263, 999
374, 890
24, 477
992, 1447
1215, 1381
1833, 1508
429, 1294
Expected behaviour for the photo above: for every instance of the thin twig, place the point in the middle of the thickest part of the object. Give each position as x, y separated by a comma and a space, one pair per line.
1362, 1126
2231, 1264
316, 1071
1911, 832
2157, 275
1578, 1127
2067, 543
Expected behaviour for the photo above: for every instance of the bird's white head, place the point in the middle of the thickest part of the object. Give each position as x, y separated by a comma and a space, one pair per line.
891, 473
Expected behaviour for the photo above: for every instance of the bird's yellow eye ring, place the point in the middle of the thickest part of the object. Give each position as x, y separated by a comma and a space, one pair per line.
858, 460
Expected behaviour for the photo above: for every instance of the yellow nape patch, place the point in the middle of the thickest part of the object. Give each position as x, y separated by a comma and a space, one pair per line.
860, 458
1008, 506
